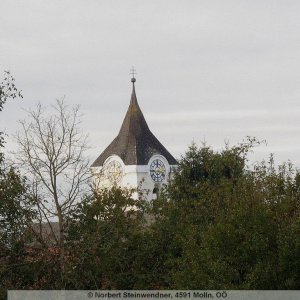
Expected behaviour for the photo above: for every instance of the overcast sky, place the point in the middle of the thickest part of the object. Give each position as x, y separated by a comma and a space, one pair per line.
206, 70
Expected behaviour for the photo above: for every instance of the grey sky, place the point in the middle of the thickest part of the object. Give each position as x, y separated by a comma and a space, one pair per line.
207, 70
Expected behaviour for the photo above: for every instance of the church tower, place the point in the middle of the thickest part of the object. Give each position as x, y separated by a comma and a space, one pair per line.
135, 158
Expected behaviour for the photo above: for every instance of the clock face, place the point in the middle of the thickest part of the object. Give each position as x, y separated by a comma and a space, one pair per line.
157, 170
114, 171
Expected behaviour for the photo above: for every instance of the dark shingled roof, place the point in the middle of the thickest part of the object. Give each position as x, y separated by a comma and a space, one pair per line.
135, 143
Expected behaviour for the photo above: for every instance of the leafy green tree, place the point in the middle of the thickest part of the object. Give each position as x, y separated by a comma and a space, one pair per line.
13, 191
9, 180
218, 225
229, 227
15, 207
16, 215
100, 238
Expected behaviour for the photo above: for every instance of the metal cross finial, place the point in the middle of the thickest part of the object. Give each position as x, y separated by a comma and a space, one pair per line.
133, 72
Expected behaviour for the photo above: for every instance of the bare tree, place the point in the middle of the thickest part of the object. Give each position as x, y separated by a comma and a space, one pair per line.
51, 149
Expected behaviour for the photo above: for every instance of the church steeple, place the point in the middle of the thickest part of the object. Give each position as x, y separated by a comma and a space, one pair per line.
135, 143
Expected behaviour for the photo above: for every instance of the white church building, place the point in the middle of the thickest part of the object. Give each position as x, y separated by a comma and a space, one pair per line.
135, 158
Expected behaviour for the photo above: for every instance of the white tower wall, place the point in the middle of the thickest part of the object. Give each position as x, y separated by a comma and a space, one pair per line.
135, 177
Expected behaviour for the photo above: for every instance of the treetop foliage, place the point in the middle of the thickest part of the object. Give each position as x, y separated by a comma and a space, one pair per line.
8, 89
218, 225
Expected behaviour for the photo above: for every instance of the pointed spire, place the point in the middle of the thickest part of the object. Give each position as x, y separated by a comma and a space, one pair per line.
134, 121
135, 143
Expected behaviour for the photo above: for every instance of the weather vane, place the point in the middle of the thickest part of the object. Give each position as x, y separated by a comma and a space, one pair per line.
133, 72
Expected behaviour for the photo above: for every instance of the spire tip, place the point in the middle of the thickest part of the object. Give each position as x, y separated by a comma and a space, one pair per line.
132, 72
